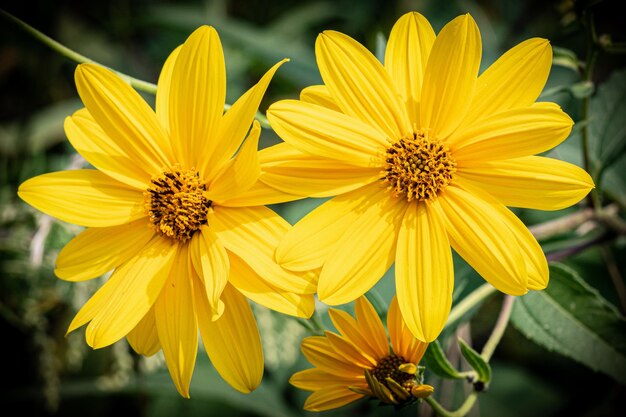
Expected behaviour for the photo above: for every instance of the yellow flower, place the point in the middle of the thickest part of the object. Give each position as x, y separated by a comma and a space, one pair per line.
174, 209
358, 362
421, 154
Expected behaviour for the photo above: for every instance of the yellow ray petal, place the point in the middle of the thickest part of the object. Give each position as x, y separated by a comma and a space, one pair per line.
124, 116
424, 271
329, 398
241, 172
309, 242
285, 168
176, 323
348, 351
482, 236
450, 76
408, 48
210, 260
325, 133
315, 379
364, 252
163, 89
319, 94
514, 80
253, 233
530, 182
402, 340
232, 342
85, 197
369, 324
98, 250
513, 133
196, 96
137, 284
350, 329
259, 290
101, 151
360, 85
236, 122
144, 338
318, 351
260, 194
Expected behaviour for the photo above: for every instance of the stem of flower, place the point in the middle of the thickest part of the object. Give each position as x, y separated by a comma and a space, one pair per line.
81, 59
460, 412
499, 328
476, 297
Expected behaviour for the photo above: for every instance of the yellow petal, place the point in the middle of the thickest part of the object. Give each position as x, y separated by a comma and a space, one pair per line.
241, 172
482, 236
324, 133
370, 325
260, 194
364, 252
85, 197
210, 260
196, 96
144, 338
513, 133
318, 351
130, 292
236, 122
308, 244
350, 329
319, 94
329, 398
403, 342
285, 168
530, 182
315, 379
450, 77
163, 89
253, 233
124, 116
349, 351
176, 323
514, 80
98, 250
424, 271
259, 290
360, 85
103, 152
232, 342
408, 48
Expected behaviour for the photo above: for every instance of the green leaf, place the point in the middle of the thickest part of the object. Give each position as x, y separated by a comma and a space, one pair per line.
607, 129
437, 362
477, 362
582, 89
564, 58
572, 318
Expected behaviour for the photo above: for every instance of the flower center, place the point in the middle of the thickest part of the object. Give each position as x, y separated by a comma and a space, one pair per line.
389, 367
176, 203
418, 167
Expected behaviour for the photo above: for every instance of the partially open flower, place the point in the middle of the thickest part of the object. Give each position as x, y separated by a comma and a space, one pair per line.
359, 363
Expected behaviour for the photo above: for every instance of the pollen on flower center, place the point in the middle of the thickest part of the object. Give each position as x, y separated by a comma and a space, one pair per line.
390, 367
176, 203
418, 167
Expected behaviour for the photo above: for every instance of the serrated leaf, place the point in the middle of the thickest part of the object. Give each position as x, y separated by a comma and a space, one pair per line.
477, 362
571, 318
437, 362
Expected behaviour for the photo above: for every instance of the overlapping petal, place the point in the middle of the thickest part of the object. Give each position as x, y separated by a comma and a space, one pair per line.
162, 105
144, 338
330, 397
319, 94
402, 340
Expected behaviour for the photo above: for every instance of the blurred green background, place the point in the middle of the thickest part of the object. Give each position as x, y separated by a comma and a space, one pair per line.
50, 374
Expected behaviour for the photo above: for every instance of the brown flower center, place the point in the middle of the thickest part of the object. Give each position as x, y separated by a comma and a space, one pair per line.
176, 203
418, 167
389, 367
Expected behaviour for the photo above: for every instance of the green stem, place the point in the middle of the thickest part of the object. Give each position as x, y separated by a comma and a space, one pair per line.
476, 297
460, 412
81, 59
499, 328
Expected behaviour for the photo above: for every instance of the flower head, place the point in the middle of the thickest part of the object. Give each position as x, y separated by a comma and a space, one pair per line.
422, 154
175, 210
358, 362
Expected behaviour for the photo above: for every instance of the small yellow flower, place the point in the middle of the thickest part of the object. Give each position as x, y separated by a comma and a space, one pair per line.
422, 155
358, 363
175, 210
